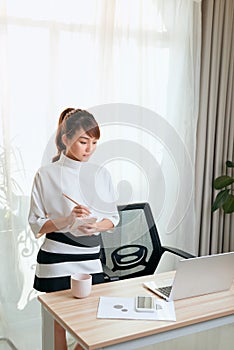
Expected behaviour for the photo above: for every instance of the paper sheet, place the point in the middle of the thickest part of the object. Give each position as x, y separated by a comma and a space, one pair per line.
124, 308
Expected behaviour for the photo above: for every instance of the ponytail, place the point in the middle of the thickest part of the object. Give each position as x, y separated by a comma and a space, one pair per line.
58, 138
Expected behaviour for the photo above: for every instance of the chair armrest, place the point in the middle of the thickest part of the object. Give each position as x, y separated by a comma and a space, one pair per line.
178, 252
108, 274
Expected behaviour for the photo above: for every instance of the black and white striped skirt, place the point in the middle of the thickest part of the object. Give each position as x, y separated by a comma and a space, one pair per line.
62, 255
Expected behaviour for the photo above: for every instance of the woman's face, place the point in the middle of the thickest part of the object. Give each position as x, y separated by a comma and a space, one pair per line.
80, 147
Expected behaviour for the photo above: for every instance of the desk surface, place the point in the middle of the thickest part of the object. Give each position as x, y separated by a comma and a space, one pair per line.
78, 316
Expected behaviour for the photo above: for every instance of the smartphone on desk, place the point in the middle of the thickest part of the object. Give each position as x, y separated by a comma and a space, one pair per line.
145, 304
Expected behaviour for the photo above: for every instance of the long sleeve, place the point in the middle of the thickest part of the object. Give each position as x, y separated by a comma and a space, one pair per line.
37, 214
104, 202
114, 215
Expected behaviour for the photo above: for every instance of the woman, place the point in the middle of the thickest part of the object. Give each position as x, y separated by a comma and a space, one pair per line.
66, 251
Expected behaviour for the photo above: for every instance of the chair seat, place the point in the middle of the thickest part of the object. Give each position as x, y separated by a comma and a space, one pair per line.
129, 256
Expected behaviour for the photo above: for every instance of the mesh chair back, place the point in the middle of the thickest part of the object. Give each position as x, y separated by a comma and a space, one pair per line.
134, 248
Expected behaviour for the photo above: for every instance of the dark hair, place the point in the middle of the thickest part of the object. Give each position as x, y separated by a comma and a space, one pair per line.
70, 121
58, 138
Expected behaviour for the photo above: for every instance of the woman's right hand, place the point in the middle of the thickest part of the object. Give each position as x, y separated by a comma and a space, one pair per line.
79, 211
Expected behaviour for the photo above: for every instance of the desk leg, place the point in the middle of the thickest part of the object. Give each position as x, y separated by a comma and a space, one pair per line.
47, 330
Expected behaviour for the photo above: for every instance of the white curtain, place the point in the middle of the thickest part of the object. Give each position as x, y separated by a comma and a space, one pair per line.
133, 63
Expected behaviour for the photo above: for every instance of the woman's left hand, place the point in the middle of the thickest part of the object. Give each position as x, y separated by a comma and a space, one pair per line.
89, 229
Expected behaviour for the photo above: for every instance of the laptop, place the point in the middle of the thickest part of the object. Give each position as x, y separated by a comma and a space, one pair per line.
198, 276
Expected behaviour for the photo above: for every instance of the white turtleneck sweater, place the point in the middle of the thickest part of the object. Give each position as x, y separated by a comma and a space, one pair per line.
84, 182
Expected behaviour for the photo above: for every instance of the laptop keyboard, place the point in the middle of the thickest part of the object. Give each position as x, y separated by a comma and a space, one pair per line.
165, 290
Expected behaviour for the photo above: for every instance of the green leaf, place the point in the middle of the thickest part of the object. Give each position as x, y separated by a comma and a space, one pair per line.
229, 164
220, 199
222, 181
228, 206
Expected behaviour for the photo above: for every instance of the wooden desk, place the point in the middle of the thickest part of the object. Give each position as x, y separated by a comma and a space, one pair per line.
78, 316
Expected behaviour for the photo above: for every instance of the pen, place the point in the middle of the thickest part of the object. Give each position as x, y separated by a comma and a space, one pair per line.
72, 200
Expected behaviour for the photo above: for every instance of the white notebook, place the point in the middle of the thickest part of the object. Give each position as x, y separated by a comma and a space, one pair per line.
82, 221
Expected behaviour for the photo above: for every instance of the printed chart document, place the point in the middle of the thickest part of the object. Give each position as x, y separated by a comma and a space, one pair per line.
124, 308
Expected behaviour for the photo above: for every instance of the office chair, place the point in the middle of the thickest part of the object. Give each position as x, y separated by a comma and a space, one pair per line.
134, 248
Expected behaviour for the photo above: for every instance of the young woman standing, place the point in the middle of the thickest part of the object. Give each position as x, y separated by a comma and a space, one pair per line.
66, 251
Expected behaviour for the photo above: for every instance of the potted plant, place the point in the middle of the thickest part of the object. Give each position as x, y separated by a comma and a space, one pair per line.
224, 199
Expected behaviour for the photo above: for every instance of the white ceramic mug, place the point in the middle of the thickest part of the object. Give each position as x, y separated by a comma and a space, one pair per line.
81, 285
